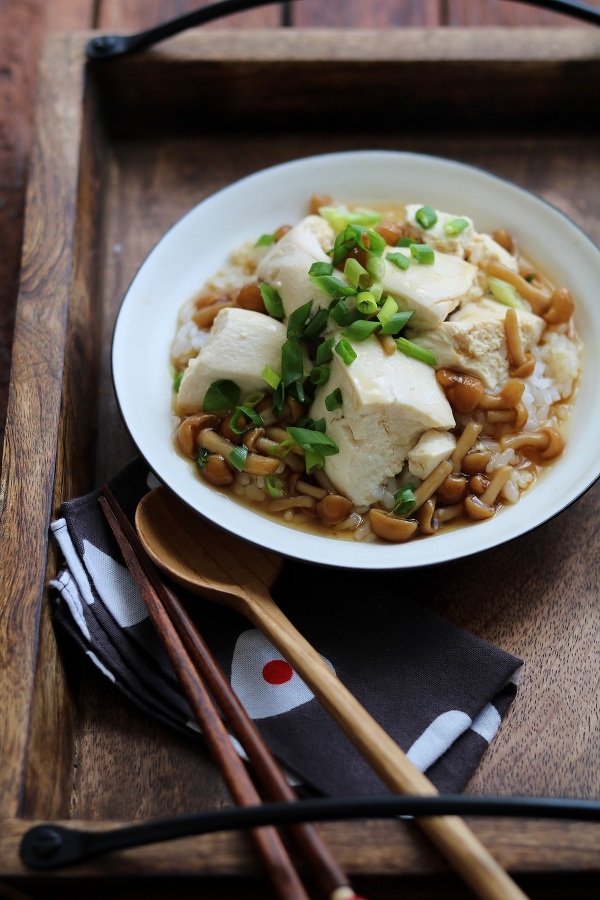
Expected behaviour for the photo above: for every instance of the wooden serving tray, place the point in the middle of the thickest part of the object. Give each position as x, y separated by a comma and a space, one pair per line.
122, 150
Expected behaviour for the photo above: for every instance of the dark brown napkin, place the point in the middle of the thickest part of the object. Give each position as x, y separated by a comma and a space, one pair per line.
440, 692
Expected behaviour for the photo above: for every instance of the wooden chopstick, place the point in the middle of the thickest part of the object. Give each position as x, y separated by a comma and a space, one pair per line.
189, 655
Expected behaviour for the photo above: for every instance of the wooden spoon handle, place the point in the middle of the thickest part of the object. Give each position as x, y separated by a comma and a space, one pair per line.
450, 834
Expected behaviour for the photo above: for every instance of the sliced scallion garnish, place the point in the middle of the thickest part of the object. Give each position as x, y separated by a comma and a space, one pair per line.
410, 349
504, 293
297, 319
202, 457
366, 303
255, 397
292, 361
344, 315
320, 374
177, 381
334, 400
333, 286
310, 439
361, 329
345, 351
265, 240
324, 352
237, 457
423, 254
246, 412
321, 268
399, 259
222, 394
396, 322
272, 301
426, 216
455, 226
354, 272
389, 309
275, 486
271, 377
340, 216
404, 500
315, 326
405, 242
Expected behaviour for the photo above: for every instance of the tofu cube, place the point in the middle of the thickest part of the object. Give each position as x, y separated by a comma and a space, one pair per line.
240, 345
432, 448
388, 402
473, 340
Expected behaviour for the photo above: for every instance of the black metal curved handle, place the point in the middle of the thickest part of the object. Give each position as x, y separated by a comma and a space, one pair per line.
112, 46
53, 846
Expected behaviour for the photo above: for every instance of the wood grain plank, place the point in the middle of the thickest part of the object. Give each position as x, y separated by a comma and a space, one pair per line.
485, 13
26, 482
365, 14
137, 15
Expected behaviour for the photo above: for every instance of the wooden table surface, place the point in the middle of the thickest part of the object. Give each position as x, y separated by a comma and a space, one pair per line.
23, 26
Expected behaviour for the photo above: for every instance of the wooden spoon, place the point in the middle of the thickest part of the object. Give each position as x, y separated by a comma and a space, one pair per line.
228, 570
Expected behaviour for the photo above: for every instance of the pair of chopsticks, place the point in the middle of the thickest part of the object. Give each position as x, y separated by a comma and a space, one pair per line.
195, 667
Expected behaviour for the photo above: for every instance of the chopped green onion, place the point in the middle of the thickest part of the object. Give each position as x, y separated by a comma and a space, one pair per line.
455, 226
265, 240
333, 286
366, 303
404, 500
343, 314
318, 425
316, 325
221, 395
389, 309
354, 272
423, 253
281, 450
399, 259
369, 240
202, 457
297, 319
275, 486
345, 241
246, 412
317, 441
292, 361
375, 267
504, 293
321, 268
272, 301
396, 322
426, 217
414, 350
361, 329
237, 457
340, 216
530, 277
177, 381
271, 377
255, 397
334, 400
320, 374
345, 351
377, 290
405, 242
324, 352
296, 389
278, 399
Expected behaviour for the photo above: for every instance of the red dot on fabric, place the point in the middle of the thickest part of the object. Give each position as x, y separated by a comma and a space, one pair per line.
277, 671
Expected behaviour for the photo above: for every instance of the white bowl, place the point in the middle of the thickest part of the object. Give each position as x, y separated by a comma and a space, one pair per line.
200, 243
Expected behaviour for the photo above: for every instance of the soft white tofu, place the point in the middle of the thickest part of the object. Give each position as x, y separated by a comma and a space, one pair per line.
431, 291
436, 237
473, 340
484, 250
388, 402
240, 345
285, 267
432, 448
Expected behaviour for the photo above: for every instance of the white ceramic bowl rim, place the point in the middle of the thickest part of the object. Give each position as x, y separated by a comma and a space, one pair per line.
179, 264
